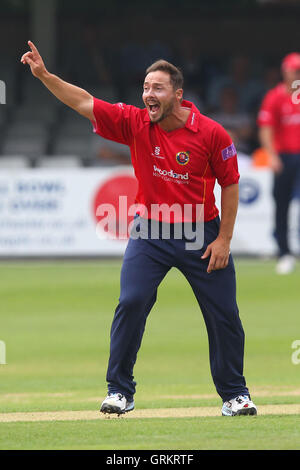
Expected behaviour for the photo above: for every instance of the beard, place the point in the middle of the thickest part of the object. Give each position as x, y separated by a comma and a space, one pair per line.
165, 114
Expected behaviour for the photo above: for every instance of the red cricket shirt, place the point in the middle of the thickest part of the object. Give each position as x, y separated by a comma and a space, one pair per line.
279, 111
174, 168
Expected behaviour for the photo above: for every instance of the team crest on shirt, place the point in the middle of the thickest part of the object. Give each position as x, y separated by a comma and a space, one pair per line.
183, 158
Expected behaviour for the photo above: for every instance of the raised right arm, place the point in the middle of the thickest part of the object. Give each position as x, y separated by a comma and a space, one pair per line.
71, 95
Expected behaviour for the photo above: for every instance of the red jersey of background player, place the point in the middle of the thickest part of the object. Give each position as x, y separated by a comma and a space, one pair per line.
279, 111
177, 167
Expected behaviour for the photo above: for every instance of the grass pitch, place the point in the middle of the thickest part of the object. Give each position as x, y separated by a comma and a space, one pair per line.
55, 322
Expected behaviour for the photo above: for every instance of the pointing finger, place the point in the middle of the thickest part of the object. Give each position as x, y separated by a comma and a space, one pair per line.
32, 46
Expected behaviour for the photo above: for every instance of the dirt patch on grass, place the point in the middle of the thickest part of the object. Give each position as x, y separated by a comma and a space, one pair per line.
201, 412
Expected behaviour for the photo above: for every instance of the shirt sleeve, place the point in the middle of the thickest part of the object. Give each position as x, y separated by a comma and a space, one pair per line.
267, 112
223, 159
115, 122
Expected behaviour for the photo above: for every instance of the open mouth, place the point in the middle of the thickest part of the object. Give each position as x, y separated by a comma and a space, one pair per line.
154, 108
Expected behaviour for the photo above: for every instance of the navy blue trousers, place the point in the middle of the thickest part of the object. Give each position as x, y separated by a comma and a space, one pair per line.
146, 263
286, 186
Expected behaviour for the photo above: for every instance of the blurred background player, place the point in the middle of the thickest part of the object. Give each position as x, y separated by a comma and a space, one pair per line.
279, 123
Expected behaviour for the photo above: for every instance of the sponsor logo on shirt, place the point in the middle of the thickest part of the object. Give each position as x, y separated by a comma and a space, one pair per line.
157, 154
171, 174
291, 120
183, 158
229, 152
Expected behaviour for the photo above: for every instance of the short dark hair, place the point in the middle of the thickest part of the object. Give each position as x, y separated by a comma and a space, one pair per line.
176, 76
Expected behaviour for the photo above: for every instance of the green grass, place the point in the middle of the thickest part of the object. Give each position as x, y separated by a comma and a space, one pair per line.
268, 432
55, 320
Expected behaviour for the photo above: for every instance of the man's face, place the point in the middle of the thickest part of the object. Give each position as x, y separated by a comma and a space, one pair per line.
291, 75
159, 95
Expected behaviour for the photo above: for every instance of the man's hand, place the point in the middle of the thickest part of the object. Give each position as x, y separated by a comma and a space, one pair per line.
276, 163
266, 137
34, 60
219, 252
219, 249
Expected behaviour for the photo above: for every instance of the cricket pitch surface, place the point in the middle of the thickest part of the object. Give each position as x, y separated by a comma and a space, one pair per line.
194, 412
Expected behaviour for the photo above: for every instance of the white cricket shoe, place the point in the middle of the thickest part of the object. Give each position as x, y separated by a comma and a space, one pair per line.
241, 405
116, 403
285, 264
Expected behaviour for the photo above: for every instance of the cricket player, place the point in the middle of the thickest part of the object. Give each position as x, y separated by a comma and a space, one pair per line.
279, 132
177, 155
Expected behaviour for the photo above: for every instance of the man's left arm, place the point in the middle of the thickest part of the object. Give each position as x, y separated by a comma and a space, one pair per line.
224, 165
219, 250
